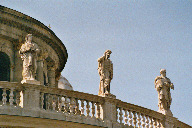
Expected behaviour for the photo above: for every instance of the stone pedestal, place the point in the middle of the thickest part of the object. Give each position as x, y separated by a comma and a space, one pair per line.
110, 96
109, 111
31, 82
31, 99
166, 112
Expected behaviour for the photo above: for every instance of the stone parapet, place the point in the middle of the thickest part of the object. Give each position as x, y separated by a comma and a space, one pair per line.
67, 105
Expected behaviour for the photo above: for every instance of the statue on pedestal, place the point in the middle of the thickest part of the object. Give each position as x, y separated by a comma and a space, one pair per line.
163, 86
29, 52
105, 70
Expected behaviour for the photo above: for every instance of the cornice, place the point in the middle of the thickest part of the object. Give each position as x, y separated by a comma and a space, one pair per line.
28, 24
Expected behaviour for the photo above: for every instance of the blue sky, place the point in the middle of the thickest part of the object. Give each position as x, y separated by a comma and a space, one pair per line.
144, 37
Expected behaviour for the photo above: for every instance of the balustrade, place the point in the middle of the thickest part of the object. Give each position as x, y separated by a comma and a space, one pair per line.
83, 105
10, 95
77, 104
137, 116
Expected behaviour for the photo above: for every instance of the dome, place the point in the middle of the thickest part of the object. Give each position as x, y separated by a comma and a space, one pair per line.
63, 83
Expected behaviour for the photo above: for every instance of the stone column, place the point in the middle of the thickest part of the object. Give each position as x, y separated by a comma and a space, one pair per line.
12, 68
39, 76
51, 76
17, 74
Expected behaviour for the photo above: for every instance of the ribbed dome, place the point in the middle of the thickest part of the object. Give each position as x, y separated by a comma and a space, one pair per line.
64, 83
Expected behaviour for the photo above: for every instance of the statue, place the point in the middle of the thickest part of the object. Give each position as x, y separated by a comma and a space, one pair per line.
163, 85
105, 70
29, 52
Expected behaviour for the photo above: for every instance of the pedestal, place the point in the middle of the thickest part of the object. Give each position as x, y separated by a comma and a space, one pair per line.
31, 82
110, 95
166, 112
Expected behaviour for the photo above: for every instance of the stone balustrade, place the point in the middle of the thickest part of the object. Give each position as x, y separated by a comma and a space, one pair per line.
130, 115
76, 106
136, 116
60, 104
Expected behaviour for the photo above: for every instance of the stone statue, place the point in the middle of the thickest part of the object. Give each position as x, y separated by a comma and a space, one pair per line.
105, 70
29, 52
163, 85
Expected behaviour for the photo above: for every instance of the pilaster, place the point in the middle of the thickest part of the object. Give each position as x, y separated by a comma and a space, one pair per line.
51, 76
39, 76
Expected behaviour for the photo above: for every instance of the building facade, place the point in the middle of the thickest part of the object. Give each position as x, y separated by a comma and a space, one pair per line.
49, 100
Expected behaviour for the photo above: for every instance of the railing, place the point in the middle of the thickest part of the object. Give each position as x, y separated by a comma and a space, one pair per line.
53, 103
76, 106
9, 93
136, 116
130, 115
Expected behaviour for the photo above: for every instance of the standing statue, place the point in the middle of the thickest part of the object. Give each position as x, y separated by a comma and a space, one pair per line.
29, 52
105, 70
163, 85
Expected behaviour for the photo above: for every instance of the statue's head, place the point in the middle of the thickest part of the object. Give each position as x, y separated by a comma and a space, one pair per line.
107, 54
28, 38
163, 72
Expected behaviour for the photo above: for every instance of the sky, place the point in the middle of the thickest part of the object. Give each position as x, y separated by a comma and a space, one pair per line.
143, 35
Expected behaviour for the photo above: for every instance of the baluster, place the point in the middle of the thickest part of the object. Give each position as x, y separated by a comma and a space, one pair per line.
162, 124
120, 115
150, 123
59, 103
87, 108
48, 101
42, 100
117, 114
65, 105
154, 123
93, 109
147, 122
72, 105
18, 98
53, 102
125, 117
4, 96
82, 107
158, 124
134, 119
143, 120
77, 112
138, 119
11, 96
130, 118
98, 110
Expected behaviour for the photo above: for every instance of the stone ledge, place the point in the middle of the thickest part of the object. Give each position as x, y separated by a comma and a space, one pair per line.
9, 121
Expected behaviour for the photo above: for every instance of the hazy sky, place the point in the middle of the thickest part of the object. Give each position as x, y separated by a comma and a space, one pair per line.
143, 35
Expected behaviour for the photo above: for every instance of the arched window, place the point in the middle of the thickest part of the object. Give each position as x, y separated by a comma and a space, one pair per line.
4, 67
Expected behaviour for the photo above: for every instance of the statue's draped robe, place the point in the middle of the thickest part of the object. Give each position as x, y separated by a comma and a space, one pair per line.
162, 85
28, 53
105, 70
